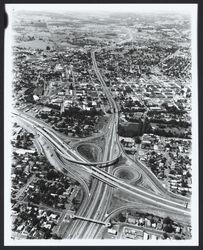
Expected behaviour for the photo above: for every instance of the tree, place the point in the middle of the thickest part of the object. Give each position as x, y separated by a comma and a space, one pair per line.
168, 228
167, 220
137, 140
172, 172
177, 237
121, 218
183, 192
165, 235
151, 161
188, 175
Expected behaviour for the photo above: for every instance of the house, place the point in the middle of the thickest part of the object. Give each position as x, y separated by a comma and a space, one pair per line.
141, 221
154, 237
148, 222
112, 231
178, 229
146, 144
154, 225
131, 220
145, 236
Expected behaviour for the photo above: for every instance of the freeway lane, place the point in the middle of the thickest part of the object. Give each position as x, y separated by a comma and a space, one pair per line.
103, 205
88, 230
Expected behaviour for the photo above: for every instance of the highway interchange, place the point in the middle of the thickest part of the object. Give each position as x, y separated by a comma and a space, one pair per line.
98, 196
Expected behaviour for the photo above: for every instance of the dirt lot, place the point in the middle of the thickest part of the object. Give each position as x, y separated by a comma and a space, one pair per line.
35, 44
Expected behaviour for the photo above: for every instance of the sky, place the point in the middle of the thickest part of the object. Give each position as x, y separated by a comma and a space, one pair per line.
103, 7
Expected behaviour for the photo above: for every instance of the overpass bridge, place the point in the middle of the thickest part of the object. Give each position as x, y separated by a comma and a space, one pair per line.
106, 224
98, 164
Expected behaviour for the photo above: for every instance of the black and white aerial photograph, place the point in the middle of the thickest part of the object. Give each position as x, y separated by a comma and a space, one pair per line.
101, 143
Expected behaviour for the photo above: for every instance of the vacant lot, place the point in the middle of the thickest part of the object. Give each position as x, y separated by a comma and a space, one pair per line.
35, 44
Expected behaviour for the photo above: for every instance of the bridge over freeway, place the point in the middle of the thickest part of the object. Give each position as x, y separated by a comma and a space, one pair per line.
106, 224
98, 164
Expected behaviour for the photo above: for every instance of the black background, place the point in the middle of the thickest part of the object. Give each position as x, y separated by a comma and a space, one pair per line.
3, 23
